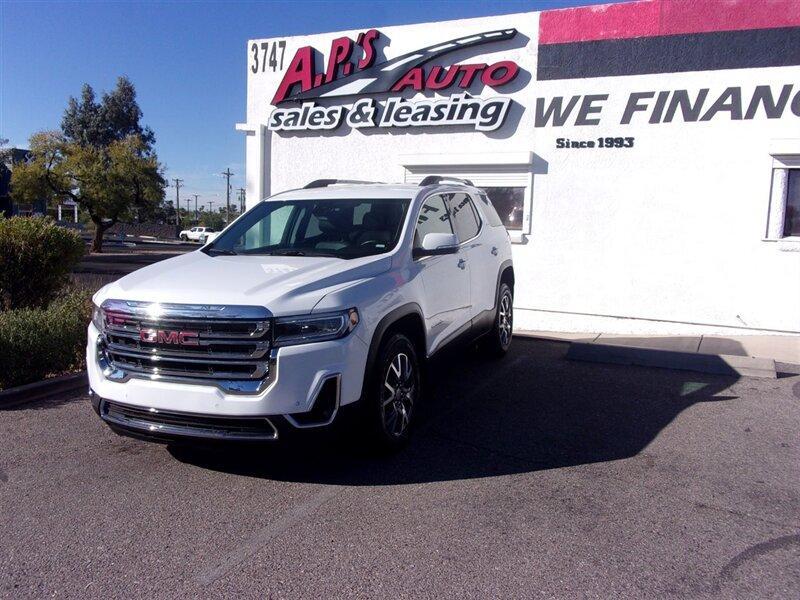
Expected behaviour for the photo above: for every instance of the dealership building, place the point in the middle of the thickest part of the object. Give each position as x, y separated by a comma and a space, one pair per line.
644, 156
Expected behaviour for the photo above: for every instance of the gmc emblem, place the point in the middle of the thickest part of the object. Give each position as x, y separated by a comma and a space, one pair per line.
162, 336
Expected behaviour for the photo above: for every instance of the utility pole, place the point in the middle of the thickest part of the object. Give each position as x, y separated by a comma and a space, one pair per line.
178, 183
227, 175
195, 207
241, 200
211, 206
187, 208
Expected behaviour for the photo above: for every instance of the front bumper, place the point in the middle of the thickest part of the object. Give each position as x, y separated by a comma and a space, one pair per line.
299, 376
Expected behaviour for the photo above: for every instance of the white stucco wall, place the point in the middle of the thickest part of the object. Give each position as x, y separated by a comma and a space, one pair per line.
664, 237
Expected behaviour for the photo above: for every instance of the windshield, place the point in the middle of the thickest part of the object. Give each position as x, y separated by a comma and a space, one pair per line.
344, 228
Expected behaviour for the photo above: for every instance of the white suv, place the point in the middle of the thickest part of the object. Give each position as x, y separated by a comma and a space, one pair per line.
315, 299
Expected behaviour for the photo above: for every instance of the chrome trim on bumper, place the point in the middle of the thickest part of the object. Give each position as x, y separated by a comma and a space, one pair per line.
155, 422
298, 425
230, 386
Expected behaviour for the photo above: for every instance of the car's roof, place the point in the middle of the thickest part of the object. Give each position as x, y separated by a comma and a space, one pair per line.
366, 190
400, 191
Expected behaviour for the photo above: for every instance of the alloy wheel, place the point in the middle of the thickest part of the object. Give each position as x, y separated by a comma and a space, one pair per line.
506, 319
398, 395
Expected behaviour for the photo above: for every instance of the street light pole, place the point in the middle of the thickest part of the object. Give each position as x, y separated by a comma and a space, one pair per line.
195, 206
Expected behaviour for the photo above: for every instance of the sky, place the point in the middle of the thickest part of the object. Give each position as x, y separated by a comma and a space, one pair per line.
187, 60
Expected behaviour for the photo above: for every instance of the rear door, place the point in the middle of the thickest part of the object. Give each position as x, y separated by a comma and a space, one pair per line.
482, 263
445, 278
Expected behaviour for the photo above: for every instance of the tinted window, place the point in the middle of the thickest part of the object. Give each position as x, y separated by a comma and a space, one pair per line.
465, 219
433, 218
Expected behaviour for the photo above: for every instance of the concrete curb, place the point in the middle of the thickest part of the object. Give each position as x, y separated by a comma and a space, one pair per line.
40, 390
719, 364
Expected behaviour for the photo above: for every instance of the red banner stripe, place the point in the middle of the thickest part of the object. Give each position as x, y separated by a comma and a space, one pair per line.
651, 18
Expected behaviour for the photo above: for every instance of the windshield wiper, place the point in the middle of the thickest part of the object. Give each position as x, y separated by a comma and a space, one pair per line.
219, 251
288, 253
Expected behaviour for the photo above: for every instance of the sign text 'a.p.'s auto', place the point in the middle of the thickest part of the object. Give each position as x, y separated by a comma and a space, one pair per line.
352, 70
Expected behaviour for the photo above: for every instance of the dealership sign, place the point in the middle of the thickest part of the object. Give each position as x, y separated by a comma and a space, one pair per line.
362, 77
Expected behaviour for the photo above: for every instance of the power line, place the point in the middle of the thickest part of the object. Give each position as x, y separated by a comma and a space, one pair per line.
178, 183
227, 175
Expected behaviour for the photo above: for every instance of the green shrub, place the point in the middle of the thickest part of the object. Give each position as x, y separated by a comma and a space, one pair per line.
36, 343
36, 257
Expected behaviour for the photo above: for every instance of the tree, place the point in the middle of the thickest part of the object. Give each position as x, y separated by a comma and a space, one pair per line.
103, 159
110, 183
115, 117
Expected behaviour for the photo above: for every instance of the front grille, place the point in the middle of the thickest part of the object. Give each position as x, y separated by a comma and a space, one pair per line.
229, 346
157, 422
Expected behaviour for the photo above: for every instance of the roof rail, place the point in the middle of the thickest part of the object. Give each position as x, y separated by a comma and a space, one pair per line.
434, 179
320, 183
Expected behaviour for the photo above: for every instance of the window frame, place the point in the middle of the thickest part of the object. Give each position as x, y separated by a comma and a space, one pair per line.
784, 162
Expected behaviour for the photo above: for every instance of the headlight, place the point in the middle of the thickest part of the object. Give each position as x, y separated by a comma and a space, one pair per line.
98, 317
314, 328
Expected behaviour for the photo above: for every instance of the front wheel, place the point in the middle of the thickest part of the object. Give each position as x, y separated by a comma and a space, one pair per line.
395, 394
500, 337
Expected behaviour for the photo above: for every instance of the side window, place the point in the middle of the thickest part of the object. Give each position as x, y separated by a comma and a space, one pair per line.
465, 219
490, 212
433, 218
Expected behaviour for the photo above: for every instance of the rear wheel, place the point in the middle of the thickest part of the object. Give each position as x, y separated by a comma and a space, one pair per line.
183, 237
499, 340
396, 391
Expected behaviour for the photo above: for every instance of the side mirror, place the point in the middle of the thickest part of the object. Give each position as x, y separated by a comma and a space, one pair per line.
435, 244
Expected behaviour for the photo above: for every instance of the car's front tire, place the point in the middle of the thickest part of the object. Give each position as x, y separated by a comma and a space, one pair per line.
394, 393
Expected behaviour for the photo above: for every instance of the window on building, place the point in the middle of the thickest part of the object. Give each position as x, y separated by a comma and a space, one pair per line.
791, 216
433, 218
465, 219
509, 204
489, 211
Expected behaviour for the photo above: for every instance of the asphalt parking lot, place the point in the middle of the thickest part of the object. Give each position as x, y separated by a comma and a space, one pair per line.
530, 477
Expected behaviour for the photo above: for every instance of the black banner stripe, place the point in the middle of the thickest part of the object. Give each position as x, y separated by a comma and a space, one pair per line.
711, 51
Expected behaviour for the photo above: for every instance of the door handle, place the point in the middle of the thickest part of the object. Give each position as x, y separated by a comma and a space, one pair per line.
494, 250
462, 264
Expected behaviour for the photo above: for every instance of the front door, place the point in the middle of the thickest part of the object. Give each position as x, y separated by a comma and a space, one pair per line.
445, 278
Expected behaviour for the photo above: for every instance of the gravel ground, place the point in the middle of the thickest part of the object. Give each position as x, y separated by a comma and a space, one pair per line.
529, 477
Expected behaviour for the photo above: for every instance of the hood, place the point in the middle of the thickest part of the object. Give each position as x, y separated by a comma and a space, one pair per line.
283, 284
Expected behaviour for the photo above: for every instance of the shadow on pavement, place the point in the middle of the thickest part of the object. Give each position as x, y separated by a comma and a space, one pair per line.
531, 411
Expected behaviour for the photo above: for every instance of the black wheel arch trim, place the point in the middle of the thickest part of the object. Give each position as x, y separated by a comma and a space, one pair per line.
389, 319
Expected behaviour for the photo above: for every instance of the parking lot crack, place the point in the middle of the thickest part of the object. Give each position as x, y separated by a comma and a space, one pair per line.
224, 564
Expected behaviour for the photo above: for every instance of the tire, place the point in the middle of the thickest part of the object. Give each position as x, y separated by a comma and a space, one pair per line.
183, 238
394, 394
499, 340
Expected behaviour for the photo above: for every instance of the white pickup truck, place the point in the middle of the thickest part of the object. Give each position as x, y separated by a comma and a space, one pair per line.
328, 297
197, 234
